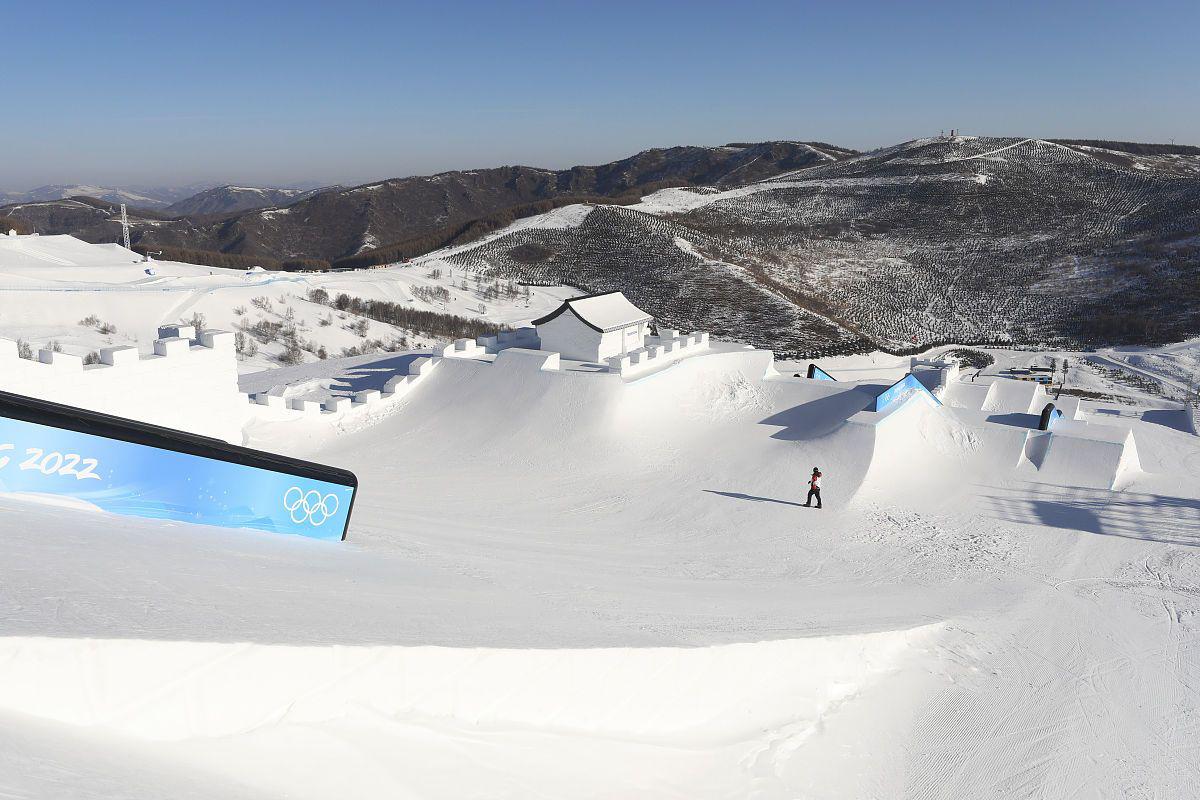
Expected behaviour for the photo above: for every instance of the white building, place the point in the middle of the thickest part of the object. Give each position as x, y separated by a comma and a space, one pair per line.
594, 328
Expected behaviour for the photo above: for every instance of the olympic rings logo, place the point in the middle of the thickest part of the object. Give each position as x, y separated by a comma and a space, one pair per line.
309, 506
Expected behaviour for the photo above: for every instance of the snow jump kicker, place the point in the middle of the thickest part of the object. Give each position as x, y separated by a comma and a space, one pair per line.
134, 469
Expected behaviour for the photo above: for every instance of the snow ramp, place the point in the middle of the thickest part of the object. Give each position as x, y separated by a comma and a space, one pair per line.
1071, 453
697, 722
999, 396
921, 448
1091, 456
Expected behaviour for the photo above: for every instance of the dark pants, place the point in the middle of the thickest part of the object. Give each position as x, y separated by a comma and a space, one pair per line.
813, 491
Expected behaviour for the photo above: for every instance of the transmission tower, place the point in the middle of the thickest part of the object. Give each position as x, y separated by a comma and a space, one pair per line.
124, 227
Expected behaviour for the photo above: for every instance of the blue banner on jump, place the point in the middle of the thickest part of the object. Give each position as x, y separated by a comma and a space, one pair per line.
817, 374
902, 391
128, 468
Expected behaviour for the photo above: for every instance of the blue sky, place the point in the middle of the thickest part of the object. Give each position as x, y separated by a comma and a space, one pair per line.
272, 92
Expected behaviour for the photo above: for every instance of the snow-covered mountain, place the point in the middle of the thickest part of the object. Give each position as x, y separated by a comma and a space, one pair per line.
141, 199
194, 198
963, 239
802, 247
232, 199
428, 211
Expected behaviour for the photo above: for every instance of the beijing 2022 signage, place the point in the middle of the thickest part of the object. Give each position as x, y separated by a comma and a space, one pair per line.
214, 484
900, 391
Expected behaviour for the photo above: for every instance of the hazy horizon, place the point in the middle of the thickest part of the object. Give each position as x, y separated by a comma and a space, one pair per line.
149, 94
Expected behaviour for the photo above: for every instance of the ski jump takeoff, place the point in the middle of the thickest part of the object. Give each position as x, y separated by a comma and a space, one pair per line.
814, 488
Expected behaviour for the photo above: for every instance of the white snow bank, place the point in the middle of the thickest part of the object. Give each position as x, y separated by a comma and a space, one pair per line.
689, 697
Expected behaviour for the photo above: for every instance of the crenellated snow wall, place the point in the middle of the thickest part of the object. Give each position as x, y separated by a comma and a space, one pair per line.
180, 386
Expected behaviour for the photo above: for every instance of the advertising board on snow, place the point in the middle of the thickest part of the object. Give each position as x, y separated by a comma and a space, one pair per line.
128, 468
901, 391
817, 374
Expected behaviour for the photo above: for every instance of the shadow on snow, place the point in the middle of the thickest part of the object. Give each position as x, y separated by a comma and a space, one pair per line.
1149, 517
754, 498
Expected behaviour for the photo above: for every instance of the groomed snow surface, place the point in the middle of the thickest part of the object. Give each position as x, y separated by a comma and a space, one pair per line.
563, 584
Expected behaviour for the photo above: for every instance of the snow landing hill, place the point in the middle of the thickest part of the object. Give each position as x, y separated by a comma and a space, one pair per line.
965, 239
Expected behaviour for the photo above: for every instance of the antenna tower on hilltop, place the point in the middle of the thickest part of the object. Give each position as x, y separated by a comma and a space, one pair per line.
124, 227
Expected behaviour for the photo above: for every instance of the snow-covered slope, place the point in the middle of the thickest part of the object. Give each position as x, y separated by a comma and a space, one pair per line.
562, 583
85, 296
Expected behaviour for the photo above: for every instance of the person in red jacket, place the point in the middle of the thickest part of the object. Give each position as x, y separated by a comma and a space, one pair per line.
814, 488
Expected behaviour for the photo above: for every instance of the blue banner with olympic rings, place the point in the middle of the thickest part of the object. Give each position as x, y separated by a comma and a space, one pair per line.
140, 480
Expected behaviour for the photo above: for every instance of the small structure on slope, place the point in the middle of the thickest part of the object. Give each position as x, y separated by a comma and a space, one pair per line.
594, 327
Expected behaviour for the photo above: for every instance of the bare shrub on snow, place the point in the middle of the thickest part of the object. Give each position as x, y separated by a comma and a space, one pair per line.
265, 331
292, 353
244, 345
92, 321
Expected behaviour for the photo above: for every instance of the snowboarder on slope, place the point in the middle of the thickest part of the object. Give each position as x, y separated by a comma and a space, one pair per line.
814, 488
